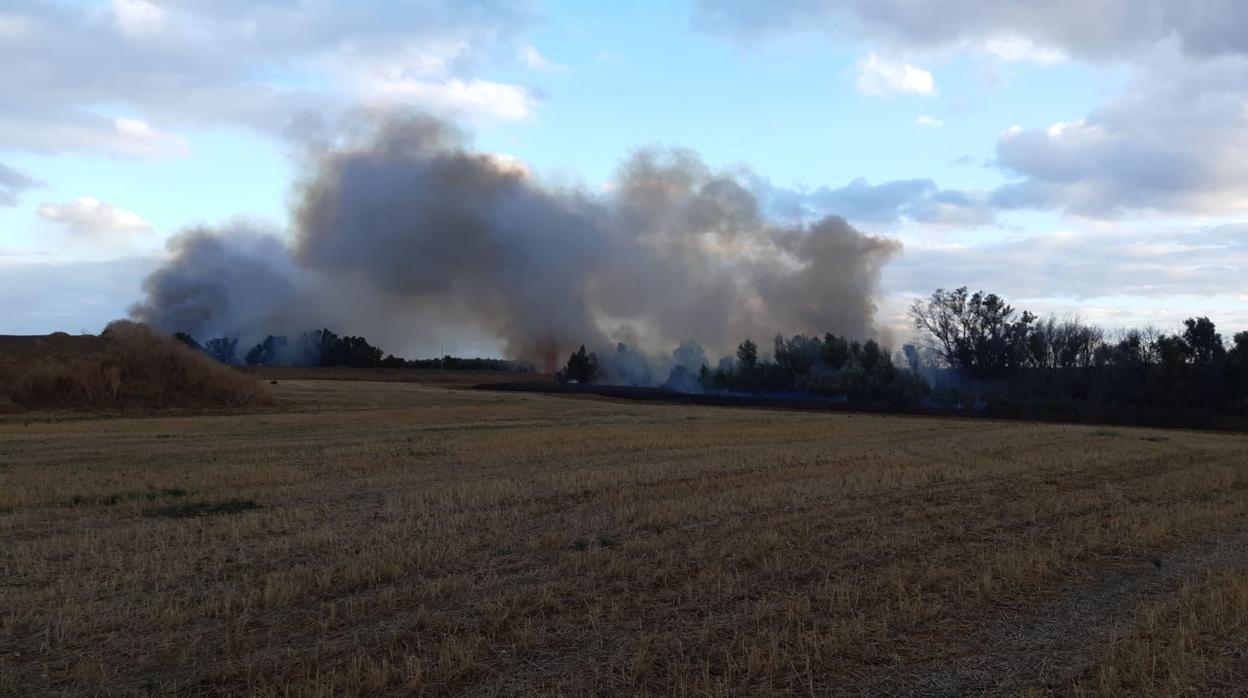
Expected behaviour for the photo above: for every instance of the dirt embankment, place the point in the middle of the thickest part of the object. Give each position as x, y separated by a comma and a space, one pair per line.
127, 365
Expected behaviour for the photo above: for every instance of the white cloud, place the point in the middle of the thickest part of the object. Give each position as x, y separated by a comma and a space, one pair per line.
917, 201
180, 65
1009, 29
138, 18
925, 120
534, 60
422, 76
1012, 47
425, 60
89, 216
139, 138
1191, 270
1175, 141
123, 137
453, 97
13, 26
878, 76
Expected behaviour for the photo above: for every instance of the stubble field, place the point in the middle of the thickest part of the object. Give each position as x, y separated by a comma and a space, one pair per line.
393, 538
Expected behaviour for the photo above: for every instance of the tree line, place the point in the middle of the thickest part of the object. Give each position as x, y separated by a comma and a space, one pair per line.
1015, 355
324, 347
977, 349
831, 366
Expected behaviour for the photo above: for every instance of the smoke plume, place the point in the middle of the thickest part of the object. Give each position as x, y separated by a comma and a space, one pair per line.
399, 230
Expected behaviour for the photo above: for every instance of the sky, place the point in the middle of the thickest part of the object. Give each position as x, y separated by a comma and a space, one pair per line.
1083, 158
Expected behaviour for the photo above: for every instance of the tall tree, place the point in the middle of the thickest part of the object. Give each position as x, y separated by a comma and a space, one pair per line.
747, 356
979, 333
1204, 341
582, 366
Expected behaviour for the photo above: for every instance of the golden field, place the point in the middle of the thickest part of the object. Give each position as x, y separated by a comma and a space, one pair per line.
397, 538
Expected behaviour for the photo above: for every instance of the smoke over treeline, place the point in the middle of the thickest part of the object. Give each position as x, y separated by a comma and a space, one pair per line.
399, 229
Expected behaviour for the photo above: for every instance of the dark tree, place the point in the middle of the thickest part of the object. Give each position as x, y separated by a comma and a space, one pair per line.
582, 366
940, 320
835, 350
223, 349
747, 356
267, 353
358, 353
1237, 367
188, 340
1131, 350
392, 361
325, 348
980, 333
872, 357
798, 355
1172, 352
1203, 340
1075, 344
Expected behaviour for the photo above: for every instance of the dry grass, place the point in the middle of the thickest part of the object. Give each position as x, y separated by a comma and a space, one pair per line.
413, 539
1194, 642
128, 365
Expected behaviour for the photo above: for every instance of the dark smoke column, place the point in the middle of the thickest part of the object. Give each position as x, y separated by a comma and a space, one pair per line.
424, 219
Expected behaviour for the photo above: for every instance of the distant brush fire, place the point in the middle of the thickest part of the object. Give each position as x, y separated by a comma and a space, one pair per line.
403, 230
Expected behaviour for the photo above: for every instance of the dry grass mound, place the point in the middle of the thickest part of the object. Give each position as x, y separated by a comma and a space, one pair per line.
127, 365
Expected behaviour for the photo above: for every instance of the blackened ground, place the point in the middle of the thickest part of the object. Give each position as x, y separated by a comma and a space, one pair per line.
1076, 413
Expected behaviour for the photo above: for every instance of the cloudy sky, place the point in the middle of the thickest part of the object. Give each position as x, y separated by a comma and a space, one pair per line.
1081, 157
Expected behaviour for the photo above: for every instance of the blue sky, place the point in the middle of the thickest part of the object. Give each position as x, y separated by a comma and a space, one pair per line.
184, 116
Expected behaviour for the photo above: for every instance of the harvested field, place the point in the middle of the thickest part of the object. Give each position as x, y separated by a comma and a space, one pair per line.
397, 538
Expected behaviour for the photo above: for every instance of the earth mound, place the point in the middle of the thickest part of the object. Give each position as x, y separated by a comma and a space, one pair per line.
127, 365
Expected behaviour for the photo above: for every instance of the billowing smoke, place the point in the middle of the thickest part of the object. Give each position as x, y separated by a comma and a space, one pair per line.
233, 281
401, 231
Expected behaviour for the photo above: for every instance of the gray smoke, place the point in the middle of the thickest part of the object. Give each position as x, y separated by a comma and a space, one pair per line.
236, 281
400, 231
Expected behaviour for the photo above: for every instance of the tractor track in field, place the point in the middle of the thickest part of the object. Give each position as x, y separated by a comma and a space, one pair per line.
1046, 645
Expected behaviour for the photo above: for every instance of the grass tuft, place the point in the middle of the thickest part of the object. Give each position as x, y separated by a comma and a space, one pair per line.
191, 509
108, 500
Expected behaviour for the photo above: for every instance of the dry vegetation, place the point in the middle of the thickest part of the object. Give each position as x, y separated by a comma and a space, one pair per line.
128, 365
1199, 632
397, 538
